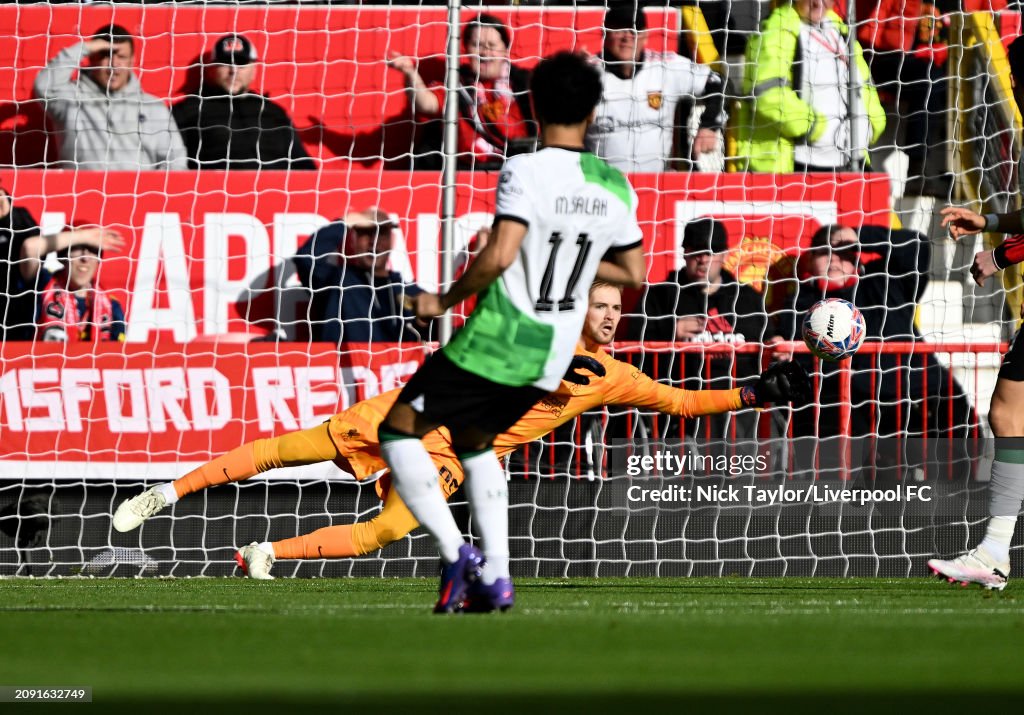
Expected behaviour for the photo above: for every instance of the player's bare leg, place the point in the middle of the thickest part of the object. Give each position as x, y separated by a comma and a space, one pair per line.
989, 563
415, 478
487, 493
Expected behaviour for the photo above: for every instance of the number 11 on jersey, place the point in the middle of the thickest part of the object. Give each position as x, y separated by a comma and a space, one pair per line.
545, 304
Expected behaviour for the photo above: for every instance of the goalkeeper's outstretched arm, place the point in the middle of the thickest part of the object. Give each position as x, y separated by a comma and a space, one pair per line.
780, 384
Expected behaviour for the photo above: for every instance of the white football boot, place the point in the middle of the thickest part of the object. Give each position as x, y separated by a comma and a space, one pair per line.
136, 510
976, 566
255, 562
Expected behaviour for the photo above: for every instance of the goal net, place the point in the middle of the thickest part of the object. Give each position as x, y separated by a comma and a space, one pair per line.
226, 137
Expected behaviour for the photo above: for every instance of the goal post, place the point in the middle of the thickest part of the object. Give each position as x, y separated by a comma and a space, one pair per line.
220, 341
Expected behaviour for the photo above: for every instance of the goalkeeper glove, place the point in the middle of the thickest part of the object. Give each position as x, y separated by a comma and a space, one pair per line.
782, 382
587, 363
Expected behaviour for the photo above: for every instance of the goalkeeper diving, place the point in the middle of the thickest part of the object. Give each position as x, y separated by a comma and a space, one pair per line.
349, 439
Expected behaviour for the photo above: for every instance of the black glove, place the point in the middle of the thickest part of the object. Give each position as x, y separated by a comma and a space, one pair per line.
587, 363
782, 382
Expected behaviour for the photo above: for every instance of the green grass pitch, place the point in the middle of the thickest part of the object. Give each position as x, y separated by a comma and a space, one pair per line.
573, 645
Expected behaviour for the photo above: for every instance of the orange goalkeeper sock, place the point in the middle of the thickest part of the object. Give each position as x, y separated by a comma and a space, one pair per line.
348, 540
289, 450
330, 542
238, 464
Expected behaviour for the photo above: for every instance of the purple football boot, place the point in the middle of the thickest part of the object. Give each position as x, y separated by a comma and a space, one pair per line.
481, 598
457, 577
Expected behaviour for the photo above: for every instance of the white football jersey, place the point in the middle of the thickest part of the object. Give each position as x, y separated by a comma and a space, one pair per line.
525, 326
635, 119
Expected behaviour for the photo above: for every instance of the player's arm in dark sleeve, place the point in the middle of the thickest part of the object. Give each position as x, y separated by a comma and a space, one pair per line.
1010, 252
1012, 222
314, 262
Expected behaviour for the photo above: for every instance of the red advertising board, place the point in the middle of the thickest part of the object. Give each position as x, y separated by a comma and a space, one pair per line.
132, 411
209, 252
207, 266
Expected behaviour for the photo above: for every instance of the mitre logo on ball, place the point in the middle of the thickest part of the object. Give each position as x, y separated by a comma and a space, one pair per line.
833, 329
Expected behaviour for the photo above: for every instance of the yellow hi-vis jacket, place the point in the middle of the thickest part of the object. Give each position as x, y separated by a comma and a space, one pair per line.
772, 116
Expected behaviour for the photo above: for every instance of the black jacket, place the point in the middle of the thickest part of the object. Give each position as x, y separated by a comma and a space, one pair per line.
17, 296
244, 131
735, 314
893, 273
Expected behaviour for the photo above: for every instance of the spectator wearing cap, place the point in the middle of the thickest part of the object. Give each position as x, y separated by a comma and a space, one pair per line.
72, 308
636, 120
495, 115
104, 119
796, 114
883, 272
22, 250
228, 126
355, 298
702, 303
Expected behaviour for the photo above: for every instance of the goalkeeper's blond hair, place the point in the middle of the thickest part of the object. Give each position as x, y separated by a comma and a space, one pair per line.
598, 283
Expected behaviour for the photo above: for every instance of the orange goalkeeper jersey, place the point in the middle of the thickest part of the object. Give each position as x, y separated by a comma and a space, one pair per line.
354, 431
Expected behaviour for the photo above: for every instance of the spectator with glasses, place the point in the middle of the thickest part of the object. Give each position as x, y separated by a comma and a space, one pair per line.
495, 116
354, 296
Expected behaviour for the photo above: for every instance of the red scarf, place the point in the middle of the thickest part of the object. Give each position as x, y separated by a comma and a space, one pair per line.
59, 309
490, 115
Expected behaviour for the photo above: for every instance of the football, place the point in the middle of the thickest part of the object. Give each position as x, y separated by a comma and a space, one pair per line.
833, 329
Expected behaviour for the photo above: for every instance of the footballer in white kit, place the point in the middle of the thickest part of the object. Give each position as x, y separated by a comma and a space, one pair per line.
563, 216
575, 208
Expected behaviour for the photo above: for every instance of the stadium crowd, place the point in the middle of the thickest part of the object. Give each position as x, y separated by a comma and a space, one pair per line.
793, 113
